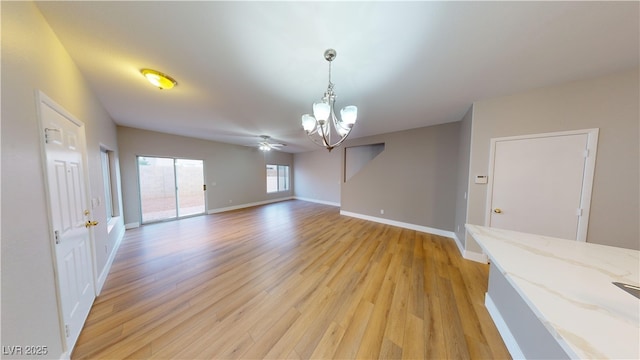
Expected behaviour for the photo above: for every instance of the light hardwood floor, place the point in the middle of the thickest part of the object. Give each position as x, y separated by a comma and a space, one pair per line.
289, 280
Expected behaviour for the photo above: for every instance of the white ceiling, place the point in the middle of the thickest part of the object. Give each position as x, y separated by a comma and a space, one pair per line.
251, 68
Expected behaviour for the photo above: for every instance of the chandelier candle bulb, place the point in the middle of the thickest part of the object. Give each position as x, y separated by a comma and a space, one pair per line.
319, 125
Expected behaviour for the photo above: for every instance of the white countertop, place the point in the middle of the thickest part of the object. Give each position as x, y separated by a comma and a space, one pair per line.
567, 284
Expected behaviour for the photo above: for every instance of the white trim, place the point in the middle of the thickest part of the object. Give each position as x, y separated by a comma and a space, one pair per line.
503, 329
242, 206
65, 356
409, 226
476, 256
587, 179
587, 183
132, 225
470, 255
107, 267
330, 203
43, 100
458, 244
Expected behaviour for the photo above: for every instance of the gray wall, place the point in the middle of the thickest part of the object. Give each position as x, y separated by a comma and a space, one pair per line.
609, 103
238, 172
462, 180
533, 338
33, 59
413, 180
317, 175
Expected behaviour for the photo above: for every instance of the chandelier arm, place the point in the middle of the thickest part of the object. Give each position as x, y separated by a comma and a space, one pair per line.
326, 137
315, 141
342, 139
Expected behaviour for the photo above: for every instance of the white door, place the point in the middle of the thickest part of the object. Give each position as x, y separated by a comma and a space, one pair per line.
69, 215
541, 184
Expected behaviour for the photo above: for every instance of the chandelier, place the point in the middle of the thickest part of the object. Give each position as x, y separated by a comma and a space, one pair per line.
323, 123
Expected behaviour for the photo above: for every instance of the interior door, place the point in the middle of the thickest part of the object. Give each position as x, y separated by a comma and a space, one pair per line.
542, 184
65, 153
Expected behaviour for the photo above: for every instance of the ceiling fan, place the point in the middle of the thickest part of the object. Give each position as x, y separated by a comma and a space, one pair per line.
266, 144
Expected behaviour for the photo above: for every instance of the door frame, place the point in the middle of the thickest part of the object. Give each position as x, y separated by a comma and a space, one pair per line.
587, 179
43, 100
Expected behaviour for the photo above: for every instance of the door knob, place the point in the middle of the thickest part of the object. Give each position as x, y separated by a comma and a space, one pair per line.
89, 223
497, 211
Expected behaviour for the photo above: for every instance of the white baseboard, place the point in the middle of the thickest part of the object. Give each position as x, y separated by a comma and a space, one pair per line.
107, 267
330, 203
242, 206
458, 244
470, 255
132, 225
503, 329
409, 226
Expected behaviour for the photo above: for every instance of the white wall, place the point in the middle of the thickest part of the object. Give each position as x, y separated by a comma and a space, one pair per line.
610, 103
33, 59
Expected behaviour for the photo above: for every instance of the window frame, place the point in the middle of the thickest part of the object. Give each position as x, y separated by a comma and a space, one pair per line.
282, 181
107, 158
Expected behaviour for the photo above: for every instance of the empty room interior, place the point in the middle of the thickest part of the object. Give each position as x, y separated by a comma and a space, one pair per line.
326, 180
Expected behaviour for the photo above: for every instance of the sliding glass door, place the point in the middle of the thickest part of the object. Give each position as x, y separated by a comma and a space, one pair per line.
190, 189
170, 188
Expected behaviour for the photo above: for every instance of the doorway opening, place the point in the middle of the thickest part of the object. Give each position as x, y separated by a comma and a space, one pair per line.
170, 188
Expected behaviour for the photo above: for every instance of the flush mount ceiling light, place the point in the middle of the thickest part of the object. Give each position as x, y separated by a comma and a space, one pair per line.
158, 79
318, 126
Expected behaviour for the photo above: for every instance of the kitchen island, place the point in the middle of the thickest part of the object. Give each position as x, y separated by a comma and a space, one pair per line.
555, 298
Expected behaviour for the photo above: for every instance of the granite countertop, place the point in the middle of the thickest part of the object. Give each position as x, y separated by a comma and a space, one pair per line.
568, 286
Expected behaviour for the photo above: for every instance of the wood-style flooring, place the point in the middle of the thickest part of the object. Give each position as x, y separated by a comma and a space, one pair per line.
289, 280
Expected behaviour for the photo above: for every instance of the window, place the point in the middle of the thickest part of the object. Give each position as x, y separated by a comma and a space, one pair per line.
277, 178
109, 180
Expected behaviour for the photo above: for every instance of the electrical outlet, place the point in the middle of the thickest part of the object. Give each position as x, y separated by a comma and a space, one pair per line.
381, 211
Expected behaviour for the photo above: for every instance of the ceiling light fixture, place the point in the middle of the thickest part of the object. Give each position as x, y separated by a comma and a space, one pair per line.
267, 145
318, 126
158, 79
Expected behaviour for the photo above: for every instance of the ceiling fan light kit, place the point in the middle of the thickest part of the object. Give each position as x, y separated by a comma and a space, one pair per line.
320, 126
160, 80
267, 145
